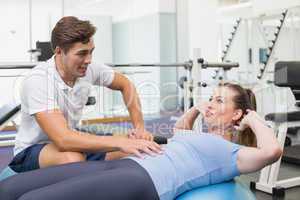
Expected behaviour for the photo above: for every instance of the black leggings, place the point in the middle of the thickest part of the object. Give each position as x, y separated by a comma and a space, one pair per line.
94, 180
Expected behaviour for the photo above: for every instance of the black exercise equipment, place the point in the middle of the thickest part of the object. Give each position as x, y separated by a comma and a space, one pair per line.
286, 74
7, 113
160, 140
91, 101
45, 50
181, 81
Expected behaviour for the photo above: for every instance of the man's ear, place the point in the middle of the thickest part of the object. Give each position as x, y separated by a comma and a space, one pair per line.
237, 115
58, 50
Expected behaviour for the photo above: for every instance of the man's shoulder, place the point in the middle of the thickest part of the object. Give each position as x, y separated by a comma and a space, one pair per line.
39, 74
99, 66
96, 70
42, 67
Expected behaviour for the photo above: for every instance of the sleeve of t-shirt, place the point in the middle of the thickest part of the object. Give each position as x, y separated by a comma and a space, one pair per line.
102, 74
38, 95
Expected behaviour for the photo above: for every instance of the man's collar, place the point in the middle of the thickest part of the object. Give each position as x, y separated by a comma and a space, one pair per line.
61, 83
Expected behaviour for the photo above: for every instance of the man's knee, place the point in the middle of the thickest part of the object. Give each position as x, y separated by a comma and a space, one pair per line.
70, 157
50, 155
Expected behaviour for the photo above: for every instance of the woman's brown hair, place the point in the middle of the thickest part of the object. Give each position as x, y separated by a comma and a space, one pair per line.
244, 99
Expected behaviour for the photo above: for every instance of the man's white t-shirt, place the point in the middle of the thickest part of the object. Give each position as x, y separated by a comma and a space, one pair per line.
44, 90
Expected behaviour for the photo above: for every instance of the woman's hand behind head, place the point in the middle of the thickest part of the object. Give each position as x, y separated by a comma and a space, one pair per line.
202, 107
244, 122
248, 119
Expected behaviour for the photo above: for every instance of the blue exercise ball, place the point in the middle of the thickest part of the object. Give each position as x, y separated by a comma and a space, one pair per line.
224, 191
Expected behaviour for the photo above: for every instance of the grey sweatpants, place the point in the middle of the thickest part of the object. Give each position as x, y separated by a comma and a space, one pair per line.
94, 180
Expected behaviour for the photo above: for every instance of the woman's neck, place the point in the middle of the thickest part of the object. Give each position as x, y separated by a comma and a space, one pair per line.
224, 130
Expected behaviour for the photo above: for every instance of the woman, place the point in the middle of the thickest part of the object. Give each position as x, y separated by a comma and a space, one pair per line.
218, 114
189, 160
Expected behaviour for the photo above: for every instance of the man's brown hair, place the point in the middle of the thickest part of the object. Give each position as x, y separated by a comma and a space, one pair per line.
70, 30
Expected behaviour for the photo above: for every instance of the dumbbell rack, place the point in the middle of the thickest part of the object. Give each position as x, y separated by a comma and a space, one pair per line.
272, 47
228, 46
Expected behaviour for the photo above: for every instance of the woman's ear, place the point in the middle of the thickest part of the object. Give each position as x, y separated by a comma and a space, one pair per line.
237, 115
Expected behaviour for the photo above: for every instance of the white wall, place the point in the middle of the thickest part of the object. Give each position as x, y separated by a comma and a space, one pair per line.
15, 34
45, 14
146, 24
14, 31
210, 33
121, 10
271, 6
137, 41
141, 35
198, 28
15, 38
182, 10
203, 28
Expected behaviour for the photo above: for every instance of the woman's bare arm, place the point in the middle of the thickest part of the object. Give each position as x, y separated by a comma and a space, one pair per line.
186, 121
268, 150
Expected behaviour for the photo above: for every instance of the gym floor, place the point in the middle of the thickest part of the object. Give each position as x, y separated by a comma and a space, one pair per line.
286, 171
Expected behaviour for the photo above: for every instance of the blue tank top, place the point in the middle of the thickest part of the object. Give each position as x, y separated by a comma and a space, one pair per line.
190, 161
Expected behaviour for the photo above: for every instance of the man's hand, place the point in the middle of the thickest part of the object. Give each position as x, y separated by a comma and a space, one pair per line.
138, 146
140, 134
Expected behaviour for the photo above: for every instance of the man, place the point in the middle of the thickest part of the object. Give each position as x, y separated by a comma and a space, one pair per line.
53, 96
